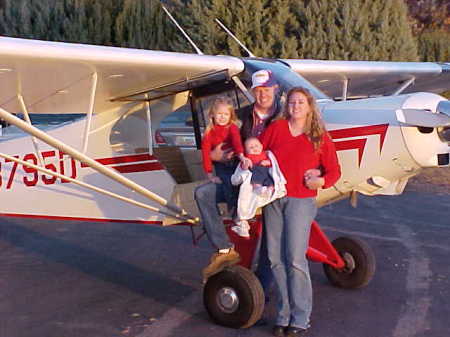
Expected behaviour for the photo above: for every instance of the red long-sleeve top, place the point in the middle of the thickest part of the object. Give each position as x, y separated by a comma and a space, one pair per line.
258, 158
227, 134
296, 155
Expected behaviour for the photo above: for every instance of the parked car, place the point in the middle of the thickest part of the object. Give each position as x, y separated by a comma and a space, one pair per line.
177, 129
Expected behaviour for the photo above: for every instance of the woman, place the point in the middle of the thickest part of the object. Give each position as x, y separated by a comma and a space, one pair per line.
303, 148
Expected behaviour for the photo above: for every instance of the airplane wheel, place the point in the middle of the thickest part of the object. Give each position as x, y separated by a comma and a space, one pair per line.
234, 297
359, 264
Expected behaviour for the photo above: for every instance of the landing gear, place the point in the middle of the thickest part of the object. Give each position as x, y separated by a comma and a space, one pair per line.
234, 297
359, 264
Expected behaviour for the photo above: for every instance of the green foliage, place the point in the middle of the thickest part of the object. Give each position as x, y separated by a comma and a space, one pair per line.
143, 24
355, 30
86, 21
434, 46
338, 29
265, 27
320, 29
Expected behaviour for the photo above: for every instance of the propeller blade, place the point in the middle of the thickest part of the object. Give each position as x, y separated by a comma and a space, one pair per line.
444, 107
418, 117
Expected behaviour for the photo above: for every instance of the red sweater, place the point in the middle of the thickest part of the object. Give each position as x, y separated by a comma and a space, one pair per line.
227, 134
296, 155
258, 158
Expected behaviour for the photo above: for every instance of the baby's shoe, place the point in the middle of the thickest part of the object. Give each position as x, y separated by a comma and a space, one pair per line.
242, 229
260, 190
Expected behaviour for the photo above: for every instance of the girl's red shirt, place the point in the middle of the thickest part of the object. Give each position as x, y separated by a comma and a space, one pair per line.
227, 134
296, 155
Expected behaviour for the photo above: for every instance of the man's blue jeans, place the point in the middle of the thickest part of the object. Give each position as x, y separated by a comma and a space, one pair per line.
288, 224
207, 197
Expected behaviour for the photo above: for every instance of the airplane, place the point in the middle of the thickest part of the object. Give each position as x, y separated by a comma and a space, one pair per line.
98, 159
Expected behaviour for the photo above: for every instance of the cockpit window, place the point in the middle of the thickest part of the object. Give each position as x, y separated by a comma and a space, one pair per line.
40, 121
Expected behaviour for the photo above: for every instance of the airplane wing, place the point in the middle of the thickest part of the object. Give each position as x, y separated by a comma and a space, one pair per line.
55, 77
370, 78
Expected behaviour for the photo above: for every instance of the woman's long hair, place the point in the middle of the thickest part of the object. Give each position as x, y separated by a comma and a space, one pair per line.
314, 127
221, 100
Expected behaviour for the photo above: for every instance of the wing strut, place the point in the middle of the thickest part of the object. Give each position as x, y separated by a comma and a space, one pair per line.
182, 30
149, 123
28, 120
33, 131
345, 89
235, 38
404, 86
90, 112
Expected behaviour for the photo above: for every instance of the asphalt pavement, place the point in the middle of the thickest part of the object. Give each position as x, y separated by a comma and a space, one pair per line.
78, 279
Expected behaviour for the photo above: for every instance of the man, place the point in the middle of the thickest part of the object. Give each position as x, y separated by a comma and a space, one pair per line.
255, 118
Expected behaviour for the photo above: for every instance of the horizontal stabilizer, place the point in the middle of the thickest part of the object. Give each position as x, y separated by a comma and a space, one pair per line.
425, 118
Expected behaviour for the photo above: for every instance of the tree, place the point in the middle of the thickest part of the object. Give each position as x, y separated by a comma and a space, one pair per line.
143, 24
338, 29
264, 27
355, 30
86, 21
434, 46
389, 23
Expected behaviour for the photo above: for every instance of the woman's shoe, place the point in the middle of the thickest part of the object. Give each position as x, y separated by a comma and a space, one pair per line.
292, 331
278, 331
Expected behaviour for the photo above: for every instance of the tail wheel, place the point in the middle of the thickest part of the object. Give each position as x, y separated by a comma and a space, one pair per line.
234, 297
359, 264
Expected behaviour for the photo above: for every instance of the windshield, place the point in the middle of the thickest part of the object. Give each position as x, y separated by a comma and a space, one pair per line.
285, 76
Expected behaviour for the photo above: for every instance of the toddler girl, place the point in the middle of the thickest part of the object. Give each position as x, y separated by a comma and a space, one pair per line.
222, 129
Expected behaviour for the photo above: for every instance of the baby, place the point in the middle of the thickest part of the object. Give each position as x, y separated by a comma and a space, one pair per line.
261, 186
261, 180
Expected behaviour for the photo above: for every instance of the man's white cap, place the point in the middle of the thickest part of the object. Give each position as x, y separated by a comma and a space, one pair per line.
263, 78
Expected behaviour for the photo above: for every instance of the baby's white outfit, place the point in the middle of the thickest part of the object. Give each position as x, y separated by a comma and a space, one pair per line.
249, 200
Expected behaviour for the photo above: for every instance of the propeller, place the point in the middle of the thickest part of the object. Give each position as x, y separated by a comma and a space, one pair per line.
444, 107
426, 118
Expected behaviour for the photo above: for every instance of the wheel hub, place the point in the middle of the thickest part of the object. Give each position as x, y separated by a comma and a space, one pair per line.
227, 300
349, 262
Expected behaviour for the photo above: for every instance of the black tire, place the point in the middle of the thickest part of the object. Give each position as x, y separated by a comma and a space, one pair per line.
360, 264
234, 298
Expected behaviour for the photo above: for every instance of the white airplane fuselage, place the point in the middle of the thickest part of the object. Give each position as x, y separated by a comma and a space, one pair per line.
376, 153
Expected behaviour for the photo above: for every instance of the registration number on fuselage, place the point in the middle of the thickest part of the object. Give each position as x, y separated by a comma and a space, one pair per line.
60, 163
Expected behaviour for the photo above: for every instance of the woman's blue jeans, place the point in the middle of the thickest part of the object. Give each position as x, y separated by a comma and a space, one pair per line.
288, 224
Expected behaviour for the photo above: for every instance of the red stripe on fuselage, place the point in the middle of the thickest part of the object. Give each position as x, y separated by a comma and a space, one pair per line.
139, 167
123, 159
370, 130
358, 144
132, 168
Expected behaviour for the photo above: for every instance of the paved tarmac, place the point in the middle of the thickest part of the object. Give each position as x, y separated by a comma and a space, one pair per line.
74, 279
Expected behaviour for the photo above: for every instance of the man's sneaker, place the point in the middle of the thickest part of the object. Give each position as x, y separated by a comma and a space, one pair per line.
219, 261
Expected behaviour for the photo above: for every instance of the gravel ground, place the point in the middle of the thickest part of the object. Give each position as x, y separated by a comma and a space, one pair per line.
434, 180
